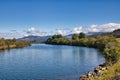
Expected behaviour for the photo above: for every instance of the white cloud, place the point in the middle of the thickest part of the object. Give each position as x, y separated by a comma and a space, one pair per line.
32, 29
10, 35
61, 31
109, 27
97, 28
78, 29
34, 32
104, 28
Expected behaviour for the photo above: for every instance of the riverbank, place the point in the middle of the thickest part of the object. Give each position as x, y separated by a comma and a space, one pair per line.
13, 43
110, 70
113, 72
107, 44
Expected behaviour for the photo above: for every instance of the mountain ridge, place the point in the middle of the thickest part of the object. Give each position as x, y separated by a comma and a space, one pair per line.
40, 39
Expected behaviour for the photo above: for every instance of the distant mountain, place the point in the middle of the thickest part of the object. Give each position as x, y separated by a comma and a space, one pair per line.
116, 33
87, 34
95, 33
69, 36
38, 39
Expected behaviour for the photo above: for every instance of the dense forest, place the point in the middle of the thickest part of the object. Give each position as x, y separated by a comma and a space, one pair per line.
13, 43
108, 44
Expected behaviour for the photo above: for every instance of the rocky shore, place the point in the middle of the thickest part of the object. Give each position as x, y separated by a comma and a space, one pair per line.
97, 72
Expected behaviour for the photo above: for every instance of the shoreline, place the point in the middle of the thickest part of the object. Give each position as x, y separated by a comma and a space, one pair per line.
97, 70
109, 46
6, 44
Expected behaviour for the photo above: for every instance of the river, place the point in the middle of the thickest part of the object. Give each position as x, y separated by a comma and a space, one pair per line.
48, 62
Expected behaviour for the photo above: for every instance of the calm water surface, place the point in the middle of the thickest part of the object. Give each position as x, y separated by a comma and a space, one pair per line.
48, 62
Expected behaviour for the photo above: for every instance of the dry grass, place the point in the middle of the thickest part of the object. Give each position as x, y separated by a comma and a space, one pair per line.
118, 39
112, 73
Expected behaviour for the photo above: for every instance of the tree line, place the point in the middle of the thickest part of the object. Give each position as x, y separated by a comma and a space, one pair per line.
13, 43
107, 44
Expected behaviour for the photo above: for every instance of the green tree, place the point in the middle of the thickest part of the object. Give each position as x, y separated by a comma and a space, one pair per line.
82, 35
14, 40
57, 36
75, 36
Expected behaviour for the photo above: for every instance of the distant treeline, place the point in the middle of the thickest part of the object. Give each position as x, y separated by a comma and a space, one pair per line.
108, 44
13, 43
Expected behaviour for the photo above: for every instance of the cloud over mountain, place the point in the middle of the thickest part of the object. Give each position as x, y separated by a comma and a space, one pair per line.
104, 28
78, 29
34, 32
97, 28
109, 27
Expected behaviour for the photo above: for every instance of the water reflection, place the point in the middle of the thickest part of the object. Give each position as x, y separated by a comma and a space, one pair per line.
49, 62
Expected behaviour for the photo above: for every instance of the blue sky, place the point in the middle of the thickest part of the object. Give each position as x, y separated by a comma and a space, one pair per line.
48, 15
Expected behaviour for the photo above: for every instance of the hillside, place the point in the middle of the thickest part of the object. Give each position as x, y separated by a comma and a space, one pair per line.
116, 33
38, 39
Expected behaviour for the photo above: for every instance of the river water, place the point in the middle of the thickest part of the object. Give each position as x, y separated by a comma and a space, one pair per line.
48, 62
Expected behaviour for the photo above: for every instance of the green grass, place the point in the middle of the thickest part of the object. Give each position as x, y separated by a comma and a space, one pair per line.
113, 73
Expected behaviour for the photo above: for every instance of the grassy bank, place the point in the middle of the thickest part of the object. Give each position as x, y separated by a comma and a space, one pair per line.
113, 73
107, 44
12, 43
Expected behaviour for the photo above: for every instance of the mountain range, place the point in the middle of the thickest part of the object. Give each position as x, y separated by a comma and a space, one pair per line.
37, 39
40, 39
